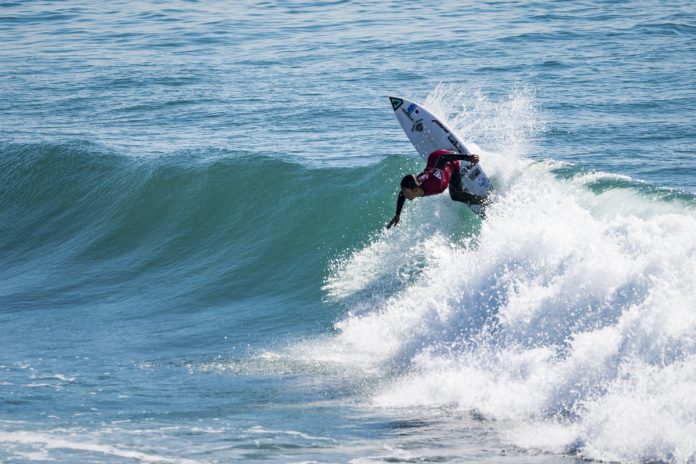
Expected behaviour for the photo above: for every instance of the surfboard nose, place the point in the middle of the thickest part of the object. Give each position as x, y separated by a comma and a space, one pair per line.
396, 102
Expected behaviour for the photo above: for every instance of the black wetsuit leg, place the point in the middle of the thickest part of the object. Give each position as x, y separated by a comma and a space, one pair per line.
457, 194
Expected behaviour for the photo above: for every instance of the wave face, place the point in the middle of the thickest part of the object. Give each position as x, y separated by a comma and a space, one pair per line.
228, 224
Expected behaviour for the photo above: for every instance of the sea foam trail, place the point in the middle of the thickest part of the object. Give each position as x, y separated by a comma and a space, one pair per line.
568, 317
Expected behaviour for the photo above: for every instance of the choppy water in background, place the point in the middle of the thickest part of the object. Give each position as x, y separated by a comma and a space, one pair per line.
193, 261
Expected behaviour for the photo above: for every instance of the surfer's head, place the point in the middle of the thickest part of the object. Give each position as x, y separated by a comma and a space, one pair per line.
410, 187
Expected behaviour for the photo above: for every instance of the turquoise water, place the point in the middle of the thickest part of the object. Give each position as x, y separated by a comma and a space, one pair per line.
194, 266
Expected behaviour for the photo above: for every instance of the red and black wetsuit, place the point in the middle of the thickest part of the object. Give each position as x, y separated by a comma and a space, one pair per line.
436, 176
441, 172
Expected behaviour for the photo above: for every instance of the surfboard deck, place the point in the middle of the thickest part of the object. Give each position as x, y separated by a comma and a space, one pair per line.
428, 133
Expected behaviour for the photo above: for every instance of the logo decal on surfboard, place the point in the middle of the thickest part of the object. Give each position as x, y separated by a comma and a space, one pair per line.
396, 103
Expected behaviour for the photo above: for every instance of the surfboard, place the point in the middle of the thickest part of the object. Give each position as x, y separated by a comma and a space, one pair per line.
428, 133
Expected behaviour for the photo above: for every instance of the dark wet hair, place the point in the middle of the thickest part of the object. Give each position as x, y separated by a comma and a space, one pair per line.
409, 182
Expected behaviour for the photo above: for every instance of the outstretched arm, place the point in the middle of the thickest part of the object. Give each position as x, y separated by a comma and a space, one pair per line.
399, 205
446, 158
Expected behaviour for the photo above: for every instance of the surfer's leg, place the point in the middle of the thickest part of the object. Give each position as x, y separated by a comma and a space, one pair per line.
457, 194
455, 185
470, 199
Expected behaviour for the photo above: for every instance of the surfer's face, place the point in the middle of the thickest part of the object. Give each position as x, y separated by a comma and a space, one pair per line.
408, 193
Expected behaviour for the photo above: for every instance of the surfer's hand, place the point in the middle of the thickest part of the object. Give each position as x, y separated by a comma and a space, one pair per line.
474, 158
393, 222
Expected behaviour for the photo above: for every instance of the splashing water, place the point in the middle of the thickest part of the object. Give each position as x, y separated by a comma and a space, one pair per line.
568, 318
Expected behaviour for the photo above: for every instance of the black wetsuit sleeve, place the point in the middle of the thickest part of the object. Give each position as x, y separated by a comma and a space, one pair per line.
400, 203
444, 159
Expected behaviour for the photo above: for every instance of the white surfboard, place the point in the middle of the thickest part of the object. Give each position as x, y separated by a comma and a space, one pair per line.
427, 133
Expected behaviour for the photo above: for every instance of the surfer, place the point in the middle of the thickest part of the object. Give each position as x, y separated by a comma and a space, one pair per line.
441, 172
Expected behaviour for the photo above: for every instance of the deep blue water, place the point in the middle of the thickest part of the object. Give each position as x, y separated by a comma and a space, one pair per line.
193, 261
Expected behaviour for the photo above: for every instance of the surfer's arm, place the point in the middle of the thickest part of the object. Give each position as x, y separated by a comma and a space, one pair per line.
444, 159
399, 206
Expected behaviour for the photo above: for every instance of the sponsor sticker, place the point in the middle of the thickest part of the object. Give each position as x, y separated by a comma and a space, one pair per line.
455, 143
441, 126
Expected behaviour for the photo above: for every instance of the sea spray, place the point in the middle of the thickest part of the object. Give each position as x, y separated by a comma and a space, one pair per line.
567, 319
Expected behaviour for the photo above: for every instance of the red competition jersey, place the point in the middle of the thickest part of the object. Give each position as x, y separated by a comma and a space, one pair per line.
434, 180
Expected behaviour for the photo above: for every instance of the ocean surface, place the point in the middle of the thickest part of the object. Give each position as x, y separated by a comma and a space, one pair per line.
194, 266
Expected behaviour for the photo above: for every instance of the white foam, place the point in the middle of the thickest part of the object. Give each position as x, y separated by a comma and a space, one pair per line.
570, 319
42, 443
